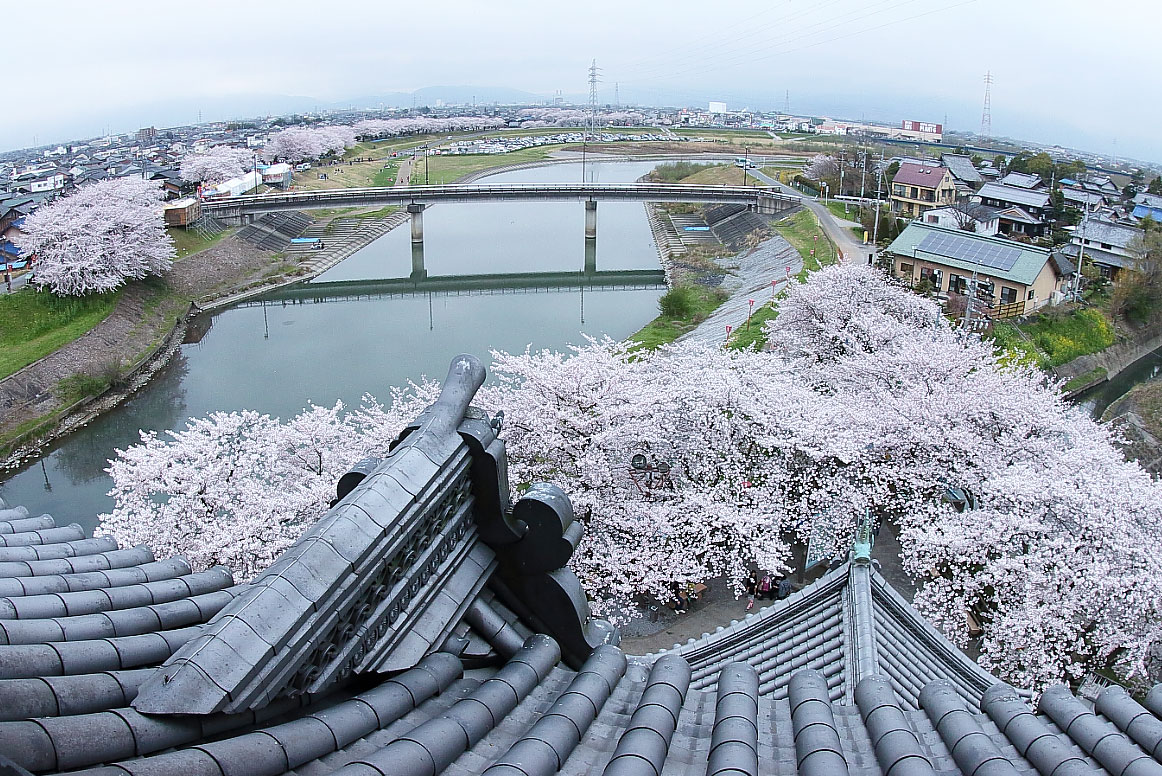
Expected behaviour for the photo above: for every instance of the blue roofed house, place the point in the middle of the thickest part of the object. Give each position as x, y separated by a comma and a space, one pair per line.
1017, 276
1147, 205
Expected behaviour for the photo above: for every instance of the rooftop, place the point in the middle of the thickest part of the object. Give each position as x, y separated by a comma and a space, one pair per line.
398, 638
1014, 195
962, 168
1098, 230
928, 176
1023, 180
992, 256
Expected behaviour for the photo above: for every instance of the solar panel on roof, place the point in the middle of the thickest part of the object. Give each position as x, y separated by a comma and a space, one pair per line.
986, 254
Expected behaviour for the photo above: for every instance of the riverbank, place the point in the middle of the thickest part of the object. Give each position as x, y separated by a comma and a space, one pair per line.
1089, 371
95, 372
71, 386
1138, 416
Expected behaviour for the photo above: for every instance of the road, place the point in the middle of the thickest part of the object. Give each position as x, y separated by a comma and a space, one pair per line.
18, 282
850, 249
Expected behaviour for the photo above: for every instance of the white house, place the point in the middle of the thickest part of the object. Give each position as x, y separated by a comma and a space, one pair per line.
966, 216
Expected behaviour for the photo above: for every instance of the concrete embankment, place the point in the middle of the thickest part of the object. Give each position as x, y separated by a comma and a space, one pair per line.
1113, 359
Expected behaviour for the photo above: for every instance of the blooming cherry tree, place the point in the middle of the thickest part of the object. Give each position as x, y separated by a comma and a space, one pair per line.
821, 167
867, 402
238, 488
295, 144
219, 164
98, 238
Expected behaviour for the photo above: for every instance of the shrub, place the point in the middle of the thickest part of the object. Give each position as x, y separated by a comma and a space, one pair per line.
678, 302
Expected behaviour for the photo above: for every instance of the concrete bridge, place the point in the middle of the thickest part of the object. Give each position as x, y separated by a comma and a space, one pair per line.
422, 283
241, 210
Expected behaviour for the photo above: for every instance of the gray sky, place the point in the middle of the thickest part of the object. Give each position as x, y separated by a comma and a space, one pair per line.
1066, 71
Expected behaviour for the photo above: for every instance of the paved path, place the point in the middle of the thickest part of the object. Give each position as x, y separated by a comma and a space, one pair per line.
851, 249
404, 176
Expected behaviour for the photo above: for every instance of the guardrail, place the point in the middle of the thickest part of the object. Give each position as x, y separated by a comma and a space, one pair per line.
669, 192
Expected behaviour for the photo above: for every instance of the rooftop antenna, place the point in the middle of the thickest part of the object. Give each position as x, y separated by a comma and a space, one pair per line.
986, 117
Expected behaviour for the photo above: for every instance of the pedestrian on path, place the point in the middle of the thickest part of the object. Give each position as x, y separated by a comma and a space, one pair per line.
752, 588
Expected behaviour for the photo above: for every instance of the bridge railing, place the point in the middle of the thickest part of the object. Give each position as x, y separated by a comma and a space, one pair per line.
670, 191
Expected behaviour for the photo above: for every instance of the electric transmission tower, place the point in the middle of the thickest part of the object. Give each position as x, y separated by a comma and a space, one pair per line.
787, 102
986, 118
594, 72
594, 78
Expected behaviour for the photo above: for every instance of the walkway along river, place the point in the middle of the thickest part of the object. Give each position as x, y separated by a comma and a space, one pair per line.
277, 356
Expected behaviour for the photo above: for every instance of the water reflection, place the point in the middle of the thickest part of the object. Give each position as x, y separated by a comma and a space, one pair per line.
279, 354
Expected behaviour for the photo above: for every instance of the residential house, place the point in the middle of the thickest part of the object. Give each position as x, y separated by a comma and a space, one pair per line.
1023, 209
1147, 205
966, 216
921, 187
1101, 184
1108, 245
1019, 276
965, 176
1023, 180
1088, 201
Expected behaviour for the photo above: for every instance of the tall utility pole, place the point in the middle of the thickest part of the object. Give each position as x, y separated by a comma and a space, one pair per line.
1080, 256
879, 184
986, 117
969, 303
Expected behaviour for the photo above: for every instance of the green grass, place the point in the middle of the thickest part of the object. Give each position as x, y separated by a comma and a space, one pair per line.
721, 175
1053, 338
385, 177
691, 305
447, 169
35, 323
1093, 376
672, 172
752, 335
1064, 338
1016, 349
188, 241
836, 209
382, 212
800, 231
723, 133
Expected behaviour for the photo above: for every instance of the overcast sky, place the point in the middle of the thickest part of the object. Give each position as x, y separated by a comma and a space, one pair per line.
1065, 71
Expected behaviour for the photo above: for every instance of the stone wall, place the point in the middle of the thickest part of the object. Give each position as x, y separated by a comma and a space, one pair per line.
1116, 357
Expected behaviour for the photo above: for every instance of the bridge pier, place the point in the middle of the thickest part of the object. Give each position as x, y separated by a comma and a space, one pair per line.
590, 255
417, 213
591, 219
418, 270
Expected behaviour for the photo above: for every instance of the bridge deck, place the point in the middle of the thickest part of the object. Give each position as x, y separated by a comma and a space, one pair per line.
402, 195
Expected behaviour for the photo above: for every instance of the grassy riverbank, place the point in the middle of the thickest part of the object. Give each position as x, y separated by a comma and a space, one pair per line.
682, 308
1054, 337
35, 323
446, 169
806, 236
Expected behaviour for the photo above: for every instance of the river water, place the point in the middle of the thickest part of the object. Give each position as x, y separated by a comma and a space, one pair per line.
276, 356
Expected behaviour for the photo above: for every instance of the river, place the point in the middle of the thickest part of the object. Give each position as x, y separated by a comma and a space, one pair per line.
276, 356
